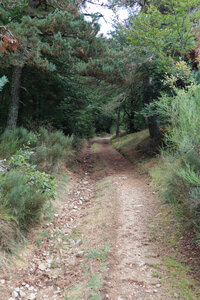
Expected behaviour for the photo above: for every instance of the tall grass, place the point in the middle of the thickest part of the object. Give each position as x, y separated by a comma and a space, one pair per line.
23, 199
178, 176
26, 194
11, 141
53, 150
26, 190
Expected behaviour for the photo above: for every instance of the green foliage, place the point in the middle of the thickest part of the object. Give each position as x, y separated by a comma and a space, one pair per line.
95, 283
22, 199
84, 125
56, 46
45, 182
171, 187
99, 254
21, 158
10, 233
158, 35
60, 32
178, 176
48, 44
164, 29
50, 99
12, 9
11, 141
25, 192
53, 150
49, 149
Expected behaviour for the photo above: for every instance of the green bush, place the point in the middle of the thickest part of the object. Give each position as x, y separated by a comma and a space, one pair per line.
53, 150
10, 234
178, 176
13, 140
25, 193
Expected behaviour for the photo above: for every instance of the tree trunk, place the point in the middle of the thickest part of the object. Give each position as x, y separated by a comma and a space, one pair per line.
14, 102
34, 3
152, 123
154, 129
131, 118
118, 120
131, 126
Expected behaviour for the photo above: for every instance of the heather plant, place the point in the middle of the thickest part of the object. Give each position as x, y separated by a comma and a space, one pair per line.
13, 140
25, 191
26, 194
49, 149
178, 177
53, 150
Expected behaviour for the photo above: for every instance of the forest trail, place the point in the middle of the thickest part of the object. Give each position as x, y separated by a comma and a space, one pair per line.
98, 244
130, 273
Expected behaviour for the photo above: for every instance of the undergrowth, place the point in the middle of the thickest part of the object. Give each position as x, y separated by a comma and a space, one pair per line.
177, 177
26, 190
51, 149
25, 195
11, 141
174, 273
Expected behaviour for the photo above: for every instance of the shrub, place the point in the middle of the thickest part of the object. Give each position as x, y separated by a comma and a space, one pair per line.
178, 177
25, 192
25, 195
53, 149
9, 235
13, 140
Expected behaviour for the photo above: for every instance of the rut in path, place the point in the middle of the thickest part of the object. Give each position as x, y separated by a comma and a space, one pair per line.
55, 266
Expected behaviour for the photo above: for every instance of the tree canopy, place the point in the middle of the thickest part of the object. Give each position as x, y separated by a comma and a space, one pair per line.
54, 59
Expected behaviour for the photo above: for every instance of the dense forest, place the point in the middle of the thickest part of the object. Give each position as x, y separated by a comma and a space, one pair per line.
61, 72
62, 81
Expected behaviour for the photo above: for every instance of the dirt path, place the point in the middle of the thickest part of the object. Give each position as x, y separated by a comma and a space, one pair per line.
130, 275
108, 205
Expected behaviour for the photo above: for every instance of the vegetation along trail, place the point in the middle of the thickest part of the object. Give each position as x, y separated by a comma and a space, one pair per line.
98, 244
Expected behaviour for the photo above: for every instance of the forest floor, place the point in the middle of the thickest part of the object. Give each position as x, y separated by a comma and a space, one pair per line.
105, 241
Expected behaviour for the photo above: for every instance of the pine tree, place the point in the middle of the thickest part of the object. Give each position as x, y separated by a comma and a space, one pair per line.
42, 30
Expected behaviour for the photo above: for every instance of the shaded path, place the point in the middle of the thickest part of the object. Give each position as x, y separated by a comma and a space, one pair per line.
131, 274
52, 268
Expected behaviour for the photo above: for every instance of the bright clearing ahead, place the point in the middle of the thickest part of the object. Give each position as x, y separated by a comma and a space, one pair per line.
108, 16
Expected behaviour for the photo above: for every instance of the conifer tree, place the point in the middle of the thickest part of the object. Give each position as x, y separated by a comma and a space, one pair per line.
35, 32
